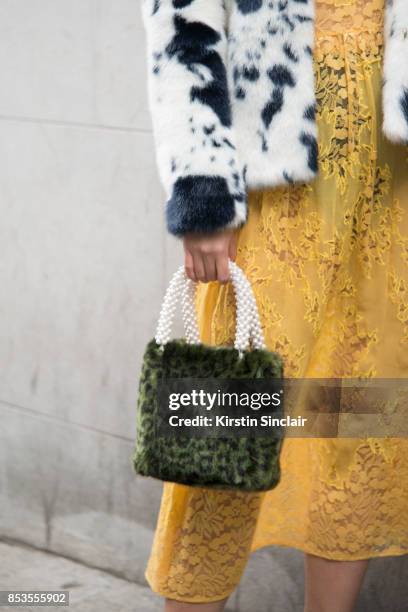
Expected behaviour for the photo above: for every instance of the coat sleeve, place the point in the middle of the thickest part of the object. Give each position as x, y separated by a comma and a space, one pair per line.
395, 84
191, 114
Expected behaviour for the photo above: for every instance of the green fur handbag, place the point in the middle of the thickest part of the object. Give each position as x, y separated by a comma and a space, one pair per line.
245, 463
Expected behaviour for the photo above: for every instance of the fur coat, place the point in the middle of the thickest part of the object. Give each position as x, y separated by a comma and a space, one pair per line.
232, 99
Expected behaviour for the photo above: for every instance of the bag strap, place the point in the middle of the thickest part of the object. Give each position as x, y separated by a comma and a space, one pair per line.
248, 326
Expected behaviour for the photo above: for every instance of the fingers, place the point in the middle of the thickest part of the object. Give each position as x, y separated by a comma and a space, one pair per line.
222, 267
199, 269
210, 268
207, 256
189, 265
204, 267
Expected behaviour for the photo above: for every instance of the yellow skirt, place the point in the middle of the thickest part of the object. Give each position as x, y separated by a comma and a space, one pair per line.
328, 262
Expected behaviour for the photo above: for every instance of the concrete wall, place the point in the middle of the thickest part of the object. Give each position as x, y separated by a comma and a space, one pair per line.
84, 263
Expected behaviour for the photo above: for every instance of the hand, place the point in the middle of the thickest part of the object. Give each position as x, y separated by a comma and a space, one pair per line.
206, 256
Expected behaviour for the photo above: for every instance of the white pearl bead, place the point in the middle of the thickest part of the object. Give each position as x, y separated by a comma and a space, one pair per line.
248, 328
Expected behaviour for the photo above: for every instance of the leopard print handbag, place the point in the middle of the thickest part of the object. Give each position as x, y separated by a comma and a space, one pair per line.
248, 463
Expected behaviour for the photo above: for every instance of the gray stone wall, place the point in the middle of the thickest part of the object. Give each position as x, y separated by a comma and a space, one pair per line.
84, 263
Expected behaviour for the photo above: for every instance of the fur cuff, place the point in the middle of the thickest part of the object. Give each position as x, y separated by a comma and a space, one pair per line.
203, 204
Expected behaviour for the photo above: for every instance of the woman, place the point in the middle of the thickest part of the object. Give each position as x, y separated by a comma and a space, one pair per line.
328, 261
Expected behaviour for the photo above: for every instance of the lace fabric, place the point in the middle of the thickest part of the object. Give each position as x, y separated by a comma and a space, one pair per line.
328, 262
344, 24
343, 16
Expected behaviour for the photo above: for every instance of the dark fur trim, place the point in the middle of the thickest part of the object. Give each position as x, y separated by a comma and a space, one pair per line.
199, 204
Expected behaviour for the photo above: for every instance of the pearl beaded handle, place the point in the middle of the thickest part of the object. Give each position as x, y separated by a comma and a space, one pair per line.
248, 327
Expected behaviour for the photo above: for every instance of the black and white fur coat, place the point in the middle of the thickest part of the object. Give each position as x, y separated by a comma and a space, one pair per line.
232, 98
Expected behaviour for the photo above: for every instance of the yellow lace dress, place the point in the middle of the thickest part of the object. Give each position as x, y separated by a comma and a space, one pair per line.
329, 265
